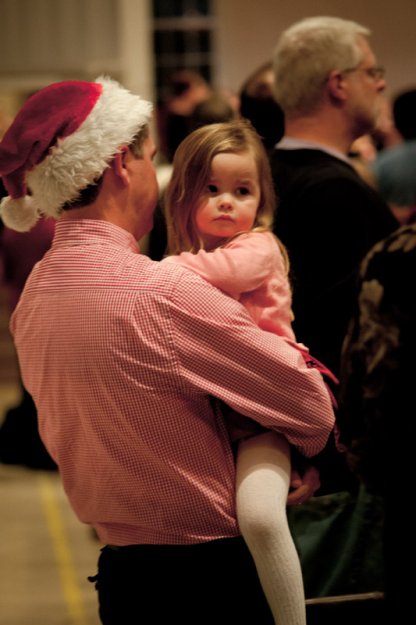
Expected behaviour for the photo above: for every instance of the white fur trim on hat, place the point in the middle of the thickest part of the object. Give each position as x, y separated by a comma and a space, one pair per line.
20, 214
80, 158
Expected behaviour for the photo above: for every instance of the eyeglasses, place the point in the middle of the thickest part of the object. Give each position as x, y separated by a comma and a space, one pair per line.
377, 73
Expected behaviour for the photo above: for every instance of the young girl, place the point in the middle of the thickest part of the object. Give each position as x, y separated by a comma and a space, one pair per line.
219, 210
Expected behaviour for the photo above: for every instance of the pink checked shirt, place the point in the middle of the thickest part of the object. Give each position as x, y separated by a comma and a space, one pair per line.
123, 357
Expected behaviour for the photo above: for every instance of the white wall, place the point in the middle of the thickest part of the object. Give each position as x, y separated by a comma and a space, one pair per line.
46, 40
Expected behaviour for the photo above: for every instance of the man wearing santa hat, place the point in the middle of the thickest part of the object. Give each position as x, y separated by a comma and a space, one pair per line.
124, 357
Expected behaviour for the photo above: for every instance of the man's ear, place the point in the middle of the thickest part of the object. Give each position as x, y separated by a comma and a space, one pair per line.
119, 164
337, 85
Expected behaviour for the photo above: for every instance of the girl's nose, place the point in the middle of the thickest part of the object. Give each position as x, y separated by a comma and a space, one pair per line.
225, 202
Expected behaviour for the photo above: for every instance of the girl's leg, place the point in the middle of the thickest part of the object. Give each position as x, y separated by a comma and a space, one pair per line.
263, 479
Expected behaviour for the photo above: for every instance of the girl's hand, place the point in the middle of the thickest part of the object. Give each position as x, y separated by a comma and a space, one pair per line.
303, 488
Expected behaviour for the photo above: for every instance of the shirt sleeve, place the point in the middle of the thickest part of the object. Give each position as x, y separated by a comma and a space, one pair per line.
239, 267
222, 353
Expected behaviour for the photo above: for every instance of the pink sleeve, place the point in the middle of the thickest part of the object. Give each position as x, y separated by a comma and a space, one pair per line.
239, 267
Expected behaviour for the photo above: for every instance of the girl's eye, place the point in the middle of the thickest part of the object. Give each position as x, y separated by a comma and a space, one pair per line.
243, 191
212, 188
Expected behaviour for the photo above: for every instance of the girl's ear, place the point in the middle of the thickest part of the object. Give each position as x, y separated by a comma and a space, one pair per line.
119, 164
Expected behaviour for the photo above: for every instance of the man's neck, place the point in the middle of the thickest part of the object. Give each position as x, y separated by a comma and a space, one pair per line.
323, 129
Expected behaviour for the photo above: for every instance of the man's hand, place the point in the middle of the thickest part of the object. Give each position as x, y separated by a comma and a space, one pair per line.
302, 488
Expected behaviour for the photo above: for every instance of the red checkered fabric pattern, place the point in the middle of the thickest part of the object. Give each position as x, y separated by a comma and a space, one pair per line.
123, 357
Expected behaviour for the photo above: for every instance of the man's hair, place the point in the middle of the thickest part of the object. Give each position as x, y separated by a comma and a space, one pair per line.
89, 194
191, 173
306, 54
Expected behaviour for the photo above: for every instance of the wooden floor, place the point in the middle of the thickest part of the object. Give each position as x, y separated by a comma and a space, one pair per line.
46, 554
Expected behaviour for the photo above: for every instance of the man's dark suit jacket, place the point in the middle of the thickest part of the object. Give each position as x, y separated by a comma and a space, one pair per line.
328, 218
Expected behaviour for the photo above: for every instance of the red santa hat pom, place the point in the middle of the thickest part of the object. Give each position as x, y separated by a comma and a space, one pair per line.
61, 141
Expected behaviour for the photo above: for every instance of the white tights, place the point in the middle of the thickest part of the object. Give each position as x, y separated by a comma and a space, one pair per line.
263, 479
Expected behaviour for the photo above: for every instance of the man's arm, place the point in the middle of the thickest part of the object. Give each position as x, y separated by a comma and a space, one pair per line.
221, 352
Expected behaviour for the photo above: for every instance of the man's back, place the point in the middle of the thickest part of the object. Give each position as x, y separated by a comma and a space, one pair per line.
328, 218
122, 356
127, 427
330, 87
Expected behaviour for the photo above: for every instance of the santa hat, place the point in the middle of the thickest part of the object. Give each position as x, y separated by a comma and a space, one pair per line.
62, 139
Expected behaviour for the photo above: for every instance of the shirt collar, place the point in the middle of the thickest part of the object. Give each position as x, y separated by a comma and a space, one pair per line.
92, 232
291, 143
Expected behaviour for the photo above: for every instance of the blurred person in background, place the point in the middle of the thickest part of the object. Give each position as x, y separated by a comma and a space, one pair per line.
331, 89
258, 105
376, 420
20, 442
395, 166
185, 89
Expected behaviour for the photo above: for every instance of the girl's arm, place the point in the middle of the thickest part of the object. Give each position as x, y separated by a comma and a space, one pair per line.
240, 266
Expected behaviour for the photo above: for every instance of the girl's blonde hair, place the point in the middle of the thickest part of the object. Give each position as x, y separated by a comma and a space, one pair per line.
191, 173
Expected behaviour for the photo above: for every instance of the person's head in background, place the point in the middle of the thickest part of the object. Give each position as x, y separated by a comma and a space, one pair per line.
404, 113
215, 109
327, 76
185, 89
258, 105
218, 163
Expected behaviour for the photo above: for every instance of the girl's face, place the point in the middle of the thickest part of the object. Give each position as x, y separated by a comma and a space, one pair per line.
229, 203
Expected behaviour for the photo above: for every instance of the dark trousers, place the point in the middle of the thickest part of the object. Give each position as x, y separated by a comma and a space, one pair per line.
212, 583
